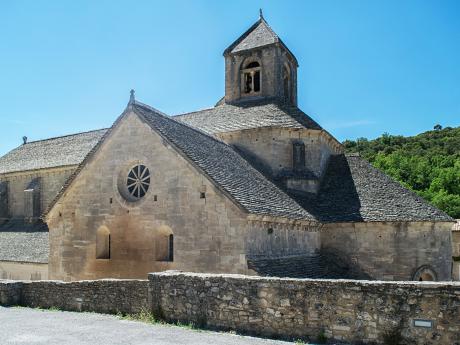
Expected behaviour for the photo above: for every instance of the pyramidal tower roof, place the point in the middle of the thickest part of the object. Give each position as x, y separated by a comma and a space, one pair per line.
260, 34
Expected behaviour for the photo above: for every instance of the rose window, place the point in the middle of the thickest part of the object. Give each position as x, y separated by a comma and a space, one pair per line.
138, 181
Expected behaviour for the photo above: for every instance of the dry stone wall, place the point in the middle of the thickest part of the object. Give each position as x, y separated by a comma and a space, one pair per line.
353, 311
10, 292
358, 312
102, 296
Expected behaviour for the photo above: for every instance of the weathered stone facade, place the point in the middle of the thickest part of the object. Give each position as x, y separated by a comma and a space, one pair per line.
211, 234
272, 60
19, 203
271, 150
391, 250
23, 270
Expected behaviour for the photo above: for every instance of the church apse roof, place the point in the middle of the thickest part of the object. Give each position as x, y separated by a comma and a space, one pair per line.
50, 153
248, 115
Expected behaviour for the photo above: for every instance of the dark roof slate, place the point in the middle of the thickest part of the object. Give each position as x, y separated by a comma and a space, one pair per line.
354, 191
248, 115
260, 34
24, 242
55, 152
314, 266
247, 186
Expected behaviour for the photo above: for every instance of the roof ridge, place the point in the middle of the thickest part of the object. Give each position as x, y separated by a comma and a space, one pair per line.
245, 34
181, 123
270, 28
65, 135
195, 111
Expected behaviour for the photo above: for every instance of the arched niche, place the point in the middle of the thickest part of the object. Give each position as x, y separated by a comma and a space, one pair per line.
103, 243
425, 273
164, 244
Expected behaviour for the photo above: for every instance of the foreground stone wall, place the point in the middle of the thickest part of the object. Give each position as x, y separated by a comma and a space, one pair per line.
354, 311
102, 296
10, 292
361, 312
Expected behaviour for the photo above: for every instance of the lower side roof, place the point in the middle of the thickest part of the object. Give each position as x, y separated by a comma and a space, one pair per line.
353, 190
22, 241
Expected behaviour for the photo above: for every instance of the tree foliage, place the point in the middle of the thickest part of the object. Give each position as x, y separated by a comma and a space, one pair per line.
428, 163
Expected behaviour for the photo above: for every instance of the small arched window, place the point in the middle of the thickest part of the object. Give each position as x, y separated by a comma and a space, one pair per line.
103, 243
251, 78
164, 246
171, 248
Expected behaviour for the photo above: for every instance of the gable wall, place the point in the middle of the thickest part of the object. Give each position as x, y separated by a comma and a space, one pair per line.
391, 250
208, 233
51, 181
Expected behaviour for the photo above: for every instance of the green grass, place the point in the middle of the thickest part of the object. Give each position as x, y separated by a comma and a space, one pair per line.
146, 316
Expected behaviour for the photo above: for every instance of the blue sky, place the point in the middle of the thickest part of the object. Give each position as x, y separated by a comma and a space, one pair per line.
366, 67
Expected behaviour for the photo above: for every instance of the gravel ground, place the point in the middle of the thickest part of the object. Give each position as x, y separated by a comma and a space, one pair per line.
33, 326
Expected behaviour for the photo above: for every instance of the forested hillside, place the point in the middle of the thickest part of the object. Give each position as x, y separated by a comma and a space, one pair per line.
428, 163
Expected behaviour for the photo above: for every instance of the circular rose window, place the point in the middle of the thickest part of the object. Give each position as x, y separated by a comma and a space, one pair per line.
138, 181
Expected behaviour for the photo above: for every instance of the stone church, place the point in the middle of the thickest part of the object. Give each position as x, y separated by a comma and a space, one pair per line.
252, 185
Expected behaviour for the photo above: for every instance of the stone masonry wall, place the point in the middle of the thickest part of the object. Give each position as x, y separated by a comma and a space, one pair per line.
51, 181
14, 270
392, 251
209, 232
10, 292
354, 311
102, 296
271, 148
361, 312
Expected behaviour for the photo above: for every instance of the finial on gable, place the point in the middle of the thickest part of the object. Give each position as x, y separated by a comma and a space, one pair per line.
261, 15
131, 97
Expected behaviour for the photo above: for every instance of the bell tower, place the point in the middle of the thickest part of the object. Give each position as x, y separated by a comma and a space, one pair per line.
258, 65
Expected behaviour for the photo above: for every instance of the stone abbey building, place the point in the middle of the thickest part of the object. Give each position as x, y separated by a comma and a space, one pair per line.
252, 185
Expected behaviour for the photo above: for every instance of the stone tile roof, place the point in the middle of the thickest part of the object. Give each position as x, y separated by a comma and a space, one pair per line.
314, 266
24, 242
49, 153
260, 34
234, 175
354, 191
247, 115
